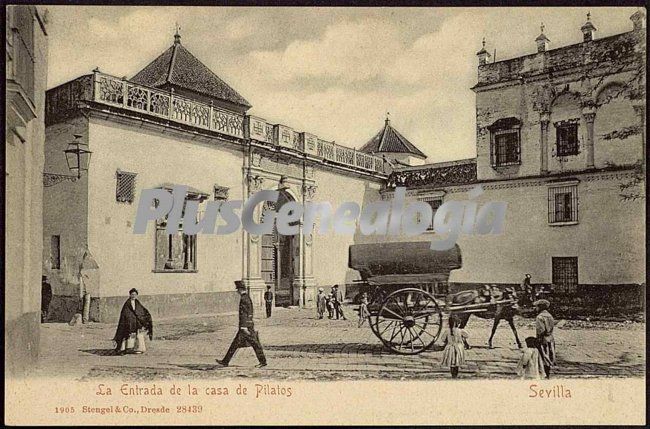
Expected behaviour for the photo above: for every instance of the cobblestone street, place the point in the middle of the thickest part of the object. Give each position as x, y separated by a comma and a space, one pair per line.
299, 346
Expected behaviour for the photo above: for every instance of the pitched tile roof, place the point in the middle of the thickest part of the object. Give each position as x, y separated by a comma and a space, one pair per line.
390, 140
177, 66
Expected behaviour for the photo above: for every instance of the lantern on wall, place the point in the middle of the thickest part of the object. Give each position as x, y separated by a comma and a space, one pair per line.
77, 155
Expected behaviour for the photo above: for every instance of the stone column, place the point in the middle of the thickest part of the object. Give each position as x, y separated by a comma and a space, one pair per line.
544, 119
253, 248
589, 114
306, 280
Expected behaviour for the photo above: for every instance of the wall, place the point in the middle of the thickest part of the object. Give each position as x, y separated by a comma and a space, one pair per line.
65, 210
554, 82
23, 216
609, 239
331, 250
158, 156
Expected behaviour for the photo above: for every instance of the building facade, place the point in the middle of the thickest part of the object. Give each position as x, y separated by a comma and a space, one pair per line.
163, 127
558, 133
26, 77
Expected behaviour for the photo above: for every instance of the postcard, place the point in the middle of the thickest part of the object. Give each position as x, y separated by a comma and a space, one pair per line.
325, 215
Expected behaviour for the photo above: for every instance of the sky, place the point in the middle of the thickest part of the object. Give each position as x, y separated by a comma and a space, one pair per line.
333, 72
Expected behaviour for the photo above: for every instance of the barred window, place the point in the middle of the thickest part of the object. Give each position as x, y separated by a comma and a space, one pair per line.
566, 138
435, 203
125, 187
505, 148
565, 274
563, 204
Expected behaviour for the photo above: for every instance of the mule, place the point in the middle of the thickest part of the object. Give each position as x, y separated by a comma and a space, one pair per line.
497, 312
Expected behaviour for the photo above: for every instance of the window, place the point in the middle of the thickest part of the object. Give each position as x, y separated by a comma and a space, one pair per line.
220, 193
435, 203
563, 204
55, 252
176, 252
505, 142
506, 148
125, 187
566, 138
23, 43
565, 274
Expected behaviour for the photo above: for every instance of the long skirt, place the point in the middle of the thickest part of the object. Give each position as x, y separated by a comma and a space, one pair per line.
135, 343
454, 355
547, 352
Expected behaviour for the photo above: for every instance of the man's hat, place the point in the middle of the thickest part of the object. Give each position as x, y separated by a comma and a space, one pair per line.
542, 303
320, 289
239, 285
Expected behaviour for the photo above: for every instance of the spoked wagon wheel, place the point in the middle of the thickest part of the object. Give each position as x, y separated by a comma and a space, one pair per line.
409, 321
376, 301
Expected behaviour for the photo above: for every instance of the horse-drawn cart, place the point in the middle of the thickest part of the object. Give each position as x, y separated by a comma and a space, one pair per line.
406, 283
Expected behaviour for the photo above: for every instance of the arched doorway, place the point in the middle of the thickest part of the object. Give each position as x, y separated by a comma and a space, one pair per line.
279, 254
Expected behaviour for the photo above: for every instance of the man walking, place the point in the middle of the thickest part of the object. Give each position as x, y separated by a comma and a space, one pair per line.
268, 300
338, 302
246, 336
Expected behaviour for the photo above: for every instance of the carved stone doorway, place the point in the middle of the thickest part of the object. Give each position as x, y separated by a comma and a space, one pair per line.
279, 253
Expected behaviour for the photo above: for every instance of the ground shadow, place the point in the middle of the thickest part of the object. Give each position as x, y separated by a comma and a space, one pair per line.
100, 352
200, 366
346, 348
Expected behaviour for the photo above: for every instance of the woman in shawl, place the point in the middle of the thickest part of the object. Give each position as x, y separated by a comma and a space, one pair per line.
135, 321
544, 324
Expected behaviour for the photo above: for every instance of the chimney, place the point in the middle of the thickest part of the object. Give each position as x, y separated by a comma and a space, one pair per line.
639, 19
588, 29
483, 55
542, 41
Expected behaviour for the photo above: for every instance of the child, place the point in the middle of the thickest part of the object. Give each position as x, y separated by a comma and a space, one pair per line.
330, 305
363, 309
454, 355
531, 364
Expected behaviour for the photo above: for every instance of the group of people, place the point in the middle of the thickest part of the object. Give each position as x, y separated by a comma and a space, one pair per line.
332, 303
537, 358
536, 361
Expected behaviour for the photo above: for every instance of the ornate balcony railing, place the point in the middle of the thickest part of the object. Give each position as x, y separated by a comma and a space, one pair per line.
118, 92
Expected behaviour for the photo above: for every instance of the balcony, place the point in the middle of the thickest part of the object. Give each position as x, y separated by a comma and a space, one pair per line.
119, 93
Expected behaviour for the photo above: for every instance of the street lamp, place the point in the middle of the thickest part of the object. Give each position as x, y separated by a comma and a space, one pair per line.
77, 156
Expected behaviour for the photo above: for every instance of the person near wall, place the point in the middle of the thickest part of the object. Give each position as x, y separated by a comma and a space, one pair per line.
527, 289
268, 301
135, 322
246, 335
321, 302
544, 324
46, 298
338, 302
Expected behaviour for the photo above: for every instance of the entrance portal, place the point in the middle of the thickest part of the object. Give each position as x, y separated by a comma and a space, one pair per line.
278, 259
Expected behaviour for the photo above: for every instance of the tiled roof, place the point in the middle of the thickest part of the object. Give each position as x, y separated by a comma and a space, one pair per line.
390, 140
177, 66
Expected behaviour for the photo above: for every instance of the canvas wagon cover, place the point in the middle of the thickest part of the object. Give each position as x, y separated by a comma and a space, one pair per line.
403, 262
